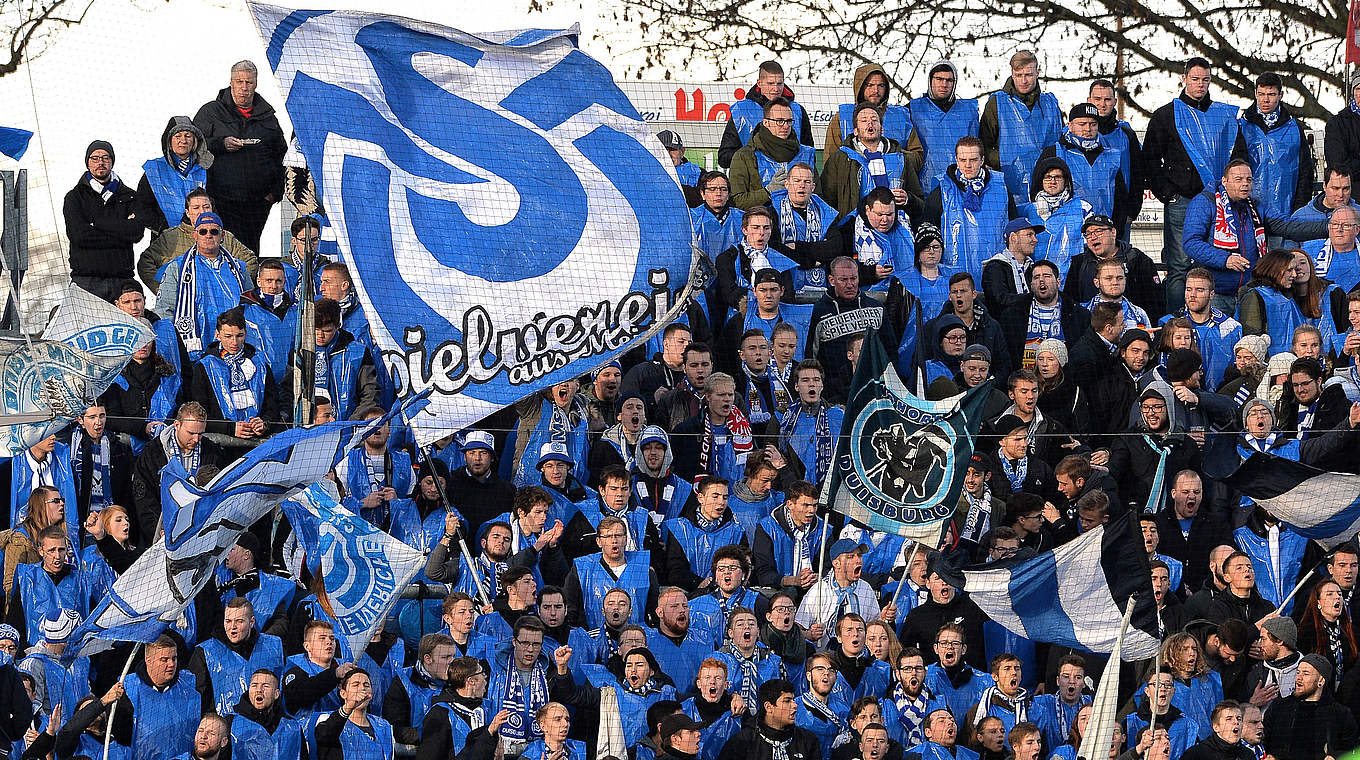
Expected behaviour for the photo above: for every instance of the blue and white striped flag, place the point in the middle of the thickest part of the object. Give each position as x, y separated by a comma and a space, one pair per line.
201, 525
363, 568
1323, 506
1074, 595
510, 220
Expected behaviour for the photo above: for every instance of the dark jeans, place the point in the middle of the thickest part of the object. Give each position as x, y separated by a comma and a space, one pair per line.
1173, 252
106, 288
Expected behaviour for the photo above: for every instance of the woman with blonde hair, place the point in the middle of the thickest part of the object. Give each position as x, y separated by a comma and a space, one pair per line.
46, 506
1198, 688
882, 641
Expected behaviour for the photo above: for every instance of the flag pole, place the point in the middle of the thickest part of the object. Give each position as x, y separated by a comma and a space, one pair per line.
822, 547
906, 574
1297, 586
462, 543
113, 708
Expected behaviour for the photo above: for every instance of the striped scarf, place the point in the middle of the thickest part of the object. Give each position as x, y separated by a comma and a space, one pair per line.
1226, 222
913, 713
101, 488
788, 227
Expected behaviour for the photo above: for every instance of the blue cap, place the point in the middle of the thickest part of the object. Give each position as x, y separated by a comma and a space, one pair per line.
1021, 223
554, 452
208, 217
615, 364
477, 439
847, 546
653, 434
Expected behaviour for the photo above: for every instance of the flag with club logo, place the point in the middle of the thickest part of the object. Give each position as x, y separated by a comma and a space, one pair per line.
1074, 595
202, 522
46, 384
509, 219
900, 459
363, 568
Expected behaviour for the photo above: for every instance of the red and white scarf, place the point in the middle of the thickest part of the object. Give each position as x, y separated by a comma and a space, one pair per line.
1225, 224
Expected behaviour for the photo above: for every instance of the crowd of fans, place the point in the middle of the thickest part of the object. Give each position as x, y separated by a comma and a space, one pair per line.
655, 526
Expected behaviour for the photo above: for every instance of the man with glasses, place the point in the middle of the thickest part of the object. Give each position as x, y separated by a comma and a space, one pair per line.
1335, 256
908, 702
594, 575
1098, 233
951, 679
305, 236
940, 119
709, 613
717, 223
520, 683
101, 225
746, 114
201, 284
761, 167
172, 242
1312, 408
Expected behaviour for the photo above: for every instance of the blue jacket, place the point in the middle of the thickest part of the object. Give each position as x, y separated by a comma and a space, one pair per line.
163, 722
961, 698
229, 673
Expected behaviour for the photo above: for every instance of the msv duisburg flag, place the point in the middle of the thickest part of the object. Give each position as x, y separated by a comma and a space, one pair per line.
362, 568
1323, 506
900, 460
48, 383
509, 219
1074, 595
201, 524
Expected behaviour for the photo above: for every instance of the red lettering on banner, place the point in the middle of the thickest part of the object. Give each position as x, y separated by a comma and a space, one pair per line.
720, 112
683, 112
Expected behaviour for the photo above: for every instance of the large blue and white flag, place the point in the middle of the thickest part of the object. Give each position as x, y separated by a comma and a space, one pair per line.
362, 568
509, 219
900, 460
1074, 595
201, 524
1323, 506
45, 385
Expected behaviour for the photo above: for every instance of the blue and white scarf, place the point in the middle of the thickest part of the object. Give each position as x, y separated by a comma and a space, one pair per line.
101, 491
823, 443
1080, 143
186, 322
912, 712
788, 226
522, 706
491, 573
756, 401
1263, 445
189, 460
1015, 473
822, 710
1355, 107
749, 683
1270, 119
321, 374
105, 190
802, 543
972, 188
239, 392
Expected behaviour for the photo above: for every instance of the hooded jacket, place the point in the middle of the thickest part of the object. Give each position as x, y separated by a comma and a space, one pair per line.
150, 212
1141, 285
1133, 458
834, 135
840, 181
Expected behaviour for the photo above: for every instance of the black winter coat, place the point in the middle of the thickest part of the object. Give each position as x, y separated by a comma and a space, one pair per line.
254, 171
101, 233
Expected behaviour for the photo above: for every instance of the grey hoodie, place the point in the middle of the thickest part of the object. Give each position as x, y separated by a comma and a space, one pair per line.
1175, 422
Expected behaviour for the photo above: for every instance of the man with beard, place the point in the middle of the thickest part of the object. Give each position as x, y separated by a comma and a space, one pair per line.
655, 488
941, 733
101, 224
260, 726
444, 566
908, 702
748, 661
1182, 731
1214, 585
1309, 724
602, 395
1161, 432
718, 712
1041, 314
678, 649
711, 612
475, 487
617, 444
1275, 675
615, 611
456, 712
697, 533
822, 708
212, 740
775, 735
842, 591
951, 679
